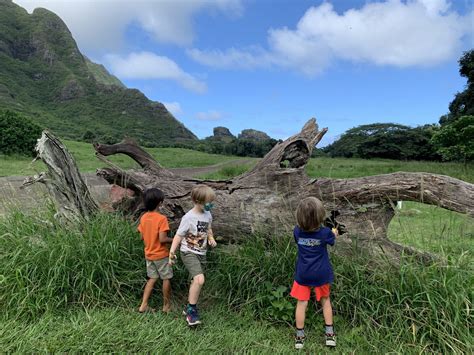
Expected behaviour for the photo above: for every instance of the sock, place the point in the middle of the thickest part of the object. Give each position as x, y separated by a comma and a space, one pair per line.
193, 306
329, 329
300, 332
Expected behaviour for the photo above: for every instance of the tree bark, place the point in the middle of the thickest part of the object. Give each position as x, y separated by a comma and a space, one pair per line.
63, 180
265, 198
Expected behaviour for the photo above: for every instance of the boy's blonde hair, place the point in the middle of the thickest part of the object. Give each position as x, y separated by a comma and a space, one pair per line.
310, 214
202, 194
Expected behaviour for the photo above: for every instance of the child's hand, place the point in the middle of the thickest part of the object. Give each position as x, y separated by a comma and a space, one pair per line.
172, 259
212, 242
335, 231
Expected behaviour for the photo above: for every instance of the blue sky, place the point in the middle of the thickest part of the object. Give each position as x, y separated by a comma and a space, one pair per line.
272, 65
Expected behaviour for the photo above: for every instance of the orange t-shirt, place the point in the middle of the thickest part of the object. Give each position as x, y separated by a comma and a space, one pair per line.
151, 224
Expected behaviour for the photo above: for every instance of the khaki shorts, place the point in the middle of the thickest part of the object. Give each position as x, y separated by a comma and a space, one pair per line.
159, 269
195, 263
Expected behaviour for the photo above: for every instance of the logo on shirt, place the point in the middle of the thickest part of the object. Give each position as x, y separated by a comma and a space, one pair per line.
309, 242
202, 226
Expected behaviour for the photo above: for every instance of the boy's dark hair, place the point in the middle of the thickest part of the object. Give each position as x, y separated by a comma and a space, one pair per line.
152, 198
310, 214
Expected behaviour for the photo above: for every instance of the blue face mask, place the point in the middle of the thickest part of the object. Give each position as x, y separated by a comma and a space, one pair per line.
208, 206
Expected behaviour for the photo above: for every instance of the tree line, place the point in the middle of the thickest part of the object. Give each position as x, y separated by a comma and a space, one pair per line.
451, 140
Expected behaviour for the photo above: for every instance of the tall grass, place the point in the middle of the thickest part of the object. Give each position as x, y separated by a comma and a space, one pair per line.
406, 308
46, 267
48, 271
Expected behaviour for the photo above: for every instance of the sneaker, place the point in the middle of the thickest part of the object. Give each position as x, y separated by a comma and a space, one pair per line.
192, 316
330, 339
299, 342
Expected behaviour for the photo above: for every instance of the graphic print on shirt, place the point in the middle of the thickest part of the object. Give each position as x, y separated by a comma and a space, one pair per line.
309, 242
198, 241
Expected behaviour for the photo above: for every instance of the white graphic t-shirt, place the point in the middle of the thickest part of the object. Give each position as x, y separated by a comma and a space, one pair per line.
194, 228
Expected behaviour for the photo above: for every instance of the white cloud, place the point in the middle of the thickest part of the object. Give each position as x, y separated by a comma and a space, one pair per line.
211, 115
396, 33
174, 108
147, 65
248, 58
100, 24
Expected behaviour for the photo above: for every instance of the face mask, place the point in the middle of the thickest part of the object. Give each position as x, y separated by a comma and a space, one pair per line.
208, 206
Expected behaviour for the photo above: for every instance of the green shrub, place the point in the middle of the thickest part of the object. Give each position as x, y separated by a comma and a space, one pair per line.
19, 134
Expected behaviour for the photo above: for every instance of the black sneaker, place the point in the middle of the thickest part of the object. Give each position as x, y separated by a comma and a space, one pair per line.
192, 316
299, 342
330, 339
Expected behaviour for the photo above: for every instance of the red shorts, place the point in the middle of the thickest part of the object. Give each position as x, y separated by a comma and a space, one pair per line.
303, 293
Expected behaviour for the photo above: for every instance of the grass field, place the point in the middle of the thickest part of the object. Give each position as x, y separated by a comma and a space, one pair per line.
77, 289
85, 157
342, 168
179, 158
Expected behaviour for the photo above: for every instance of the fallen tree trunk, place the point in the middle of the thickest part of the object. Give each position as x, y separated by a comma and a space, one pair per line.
265, 198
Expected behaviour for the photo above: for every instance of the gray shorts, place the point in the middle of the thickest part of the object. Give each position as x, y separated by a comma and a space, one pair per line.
159, 269
195, 263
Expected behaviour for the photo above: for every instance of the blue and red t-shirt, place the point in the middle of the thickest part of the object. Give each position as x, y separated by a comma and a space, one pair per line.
313, 267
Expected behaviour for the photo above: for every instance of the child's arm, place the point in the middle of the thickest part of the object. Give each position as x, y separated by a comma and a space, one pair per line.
174, 245
331, 237
210, 238
164, 238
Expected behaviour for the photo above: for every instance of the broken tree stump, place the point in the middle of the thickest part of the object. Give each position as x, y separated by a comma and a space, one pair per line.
64, 182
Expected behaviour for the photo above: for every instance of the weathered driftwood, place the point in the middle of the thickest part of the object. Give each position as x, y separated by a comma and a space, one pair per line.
265, 198
63, 180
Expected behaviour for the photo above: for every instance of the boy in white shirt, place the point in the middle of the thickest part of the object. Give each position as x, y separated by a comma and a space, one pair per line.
194, 234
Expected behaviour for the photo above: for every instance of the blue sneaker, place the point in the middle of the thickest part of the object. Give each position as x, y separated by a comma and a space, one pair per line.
192, 316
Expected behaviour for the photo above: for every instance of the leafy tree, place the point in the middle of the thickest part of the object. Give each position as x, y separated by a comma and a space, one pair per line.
463, 103
88, 136
385, 140
455, 141
18, 133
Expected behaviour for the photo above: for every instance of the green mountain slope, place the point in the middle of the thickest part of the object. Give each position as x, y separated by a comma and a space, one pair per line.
44, 75
102, 75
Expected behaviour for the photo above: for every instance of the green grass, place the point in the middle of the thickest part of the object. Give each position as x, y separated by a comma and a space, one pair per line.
433, 229
77, 289
116, 329
341, 168
87, 162
228, 172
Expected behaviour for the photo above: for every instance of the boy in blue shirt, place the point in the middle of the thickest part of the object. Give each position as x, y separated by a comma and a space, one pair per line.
313, 268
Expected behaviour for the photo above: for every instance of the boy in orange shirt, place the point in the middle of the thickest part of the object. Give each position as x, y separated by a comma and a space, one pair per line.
154, 229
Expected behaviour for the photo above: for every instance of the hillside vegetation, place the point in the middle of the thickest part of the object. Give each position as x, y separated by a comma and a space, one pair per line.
44, 75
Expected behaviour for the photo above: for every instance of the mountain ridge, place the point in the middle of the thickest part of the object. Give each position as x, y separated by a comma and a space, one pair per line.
44, 75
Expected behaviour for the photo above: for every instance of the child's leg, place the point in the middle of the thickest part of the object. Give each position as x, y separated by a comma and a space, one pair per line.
329, 328
327, 310
300, 313
166, 295
146, 294
195, 288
